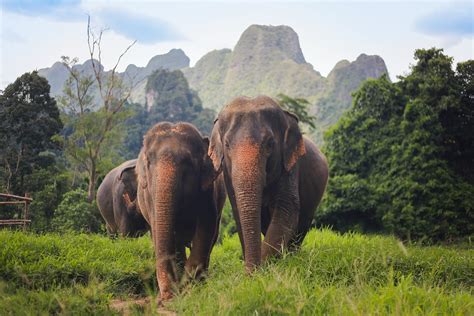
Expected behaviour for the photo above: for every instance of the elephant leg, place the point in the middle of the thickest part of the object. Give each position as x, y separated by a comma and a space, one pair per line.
180, 256
279, 233
109, 229
202, 243
284, 213
265, 221
297, 240
124, 228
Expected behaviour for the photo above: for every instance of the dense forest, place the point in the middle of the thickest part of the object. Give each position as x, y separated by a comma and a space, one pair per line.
401, 158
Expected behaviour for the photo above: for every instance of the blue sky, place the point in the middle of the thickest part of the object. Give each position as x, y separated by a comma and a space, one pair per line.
35, 34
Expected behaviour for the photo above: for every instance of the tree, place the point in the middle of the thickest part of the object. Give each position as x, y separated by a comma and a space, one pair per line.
94, 121
458, 120
299, 107
29, 118
358, 150
397, 156
48, 185
75, 214
136, 126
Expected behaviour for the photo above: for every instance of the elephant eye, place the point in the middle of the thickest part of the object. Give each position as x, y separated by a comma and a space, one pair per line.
270, 143
227, 145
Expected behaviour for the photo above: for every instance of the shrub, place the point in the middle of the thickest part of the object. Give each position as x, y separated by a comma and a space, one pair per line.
74, 213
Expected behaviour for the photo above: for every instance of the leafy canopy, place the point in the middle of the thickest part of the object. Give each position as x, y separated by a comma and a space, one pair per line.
401, 158
299, 107
29, 118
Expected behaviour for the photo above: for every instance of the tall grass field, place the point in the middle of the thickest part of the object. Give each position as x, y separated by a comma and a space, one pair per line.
333, 274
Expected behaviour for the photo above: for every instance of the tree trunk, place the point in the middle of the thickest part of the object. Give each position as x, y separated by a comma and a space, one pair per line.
92, 183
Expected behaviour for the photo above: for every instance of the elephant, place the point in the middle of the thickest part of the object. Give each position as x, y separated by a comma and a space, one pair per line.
181, 199
116, 199
274, 176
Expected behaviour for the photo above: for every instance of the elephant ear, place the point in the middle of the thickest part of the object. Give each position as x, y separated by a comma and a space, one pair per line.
208, 174
131, 166
293, 147
140, 170
215, 151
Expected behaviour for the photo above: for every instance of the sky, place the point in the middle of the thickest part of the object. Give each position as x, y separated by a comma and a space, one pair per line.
34, 34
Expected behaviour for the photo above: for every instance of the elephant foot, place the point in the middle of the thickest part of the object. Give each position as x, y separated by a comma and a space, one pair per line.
164, 296
195, 272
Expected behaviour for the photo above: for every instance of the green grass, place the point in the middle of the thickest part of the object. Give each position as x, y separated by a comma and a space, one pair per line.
331, 274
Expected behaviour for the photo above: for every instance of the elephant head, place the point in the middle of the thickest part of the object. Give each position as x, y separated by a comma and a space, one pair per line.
173, 168
253, 141
128, 179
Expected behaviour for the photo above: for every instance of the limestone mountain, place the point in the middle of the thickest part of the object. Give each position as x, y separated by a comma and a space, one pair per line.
174, 59
268, 60
344, 79
57, 74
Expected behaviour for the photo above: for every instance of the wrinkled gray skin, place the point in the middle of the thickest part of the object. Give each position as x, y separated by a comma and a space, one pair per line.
116, 199
275, 177
180, 199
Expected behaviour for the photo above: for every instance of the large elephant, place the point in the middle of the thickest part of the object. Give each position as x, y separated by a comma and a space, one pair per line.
275, 177
180, 199
116, 199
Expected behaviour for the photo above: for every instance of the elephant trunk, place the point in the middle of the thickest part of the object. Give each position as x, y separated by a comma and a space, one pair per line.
164, 204
248, 187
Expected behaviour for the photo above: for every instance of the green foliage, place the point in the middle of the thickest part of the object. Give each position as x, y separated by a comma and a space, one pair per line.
299, 107
174, 101
29, 118
89, 146
347, 274
48, 187
75, 213
458, 121
136, 126
391, 156
227, 224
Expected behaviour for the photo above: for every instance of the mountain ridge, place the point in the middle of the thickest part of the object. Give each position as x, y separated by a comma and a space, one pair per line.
265, 60
174, 59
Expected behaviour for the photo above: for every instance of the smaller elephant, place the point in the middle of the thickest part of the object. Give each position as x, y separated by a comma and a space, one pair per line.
116, 199
181, 199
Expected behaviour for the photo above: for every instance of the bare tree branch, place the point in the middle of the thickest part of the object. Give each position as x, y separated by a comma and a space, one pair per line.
113, 96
